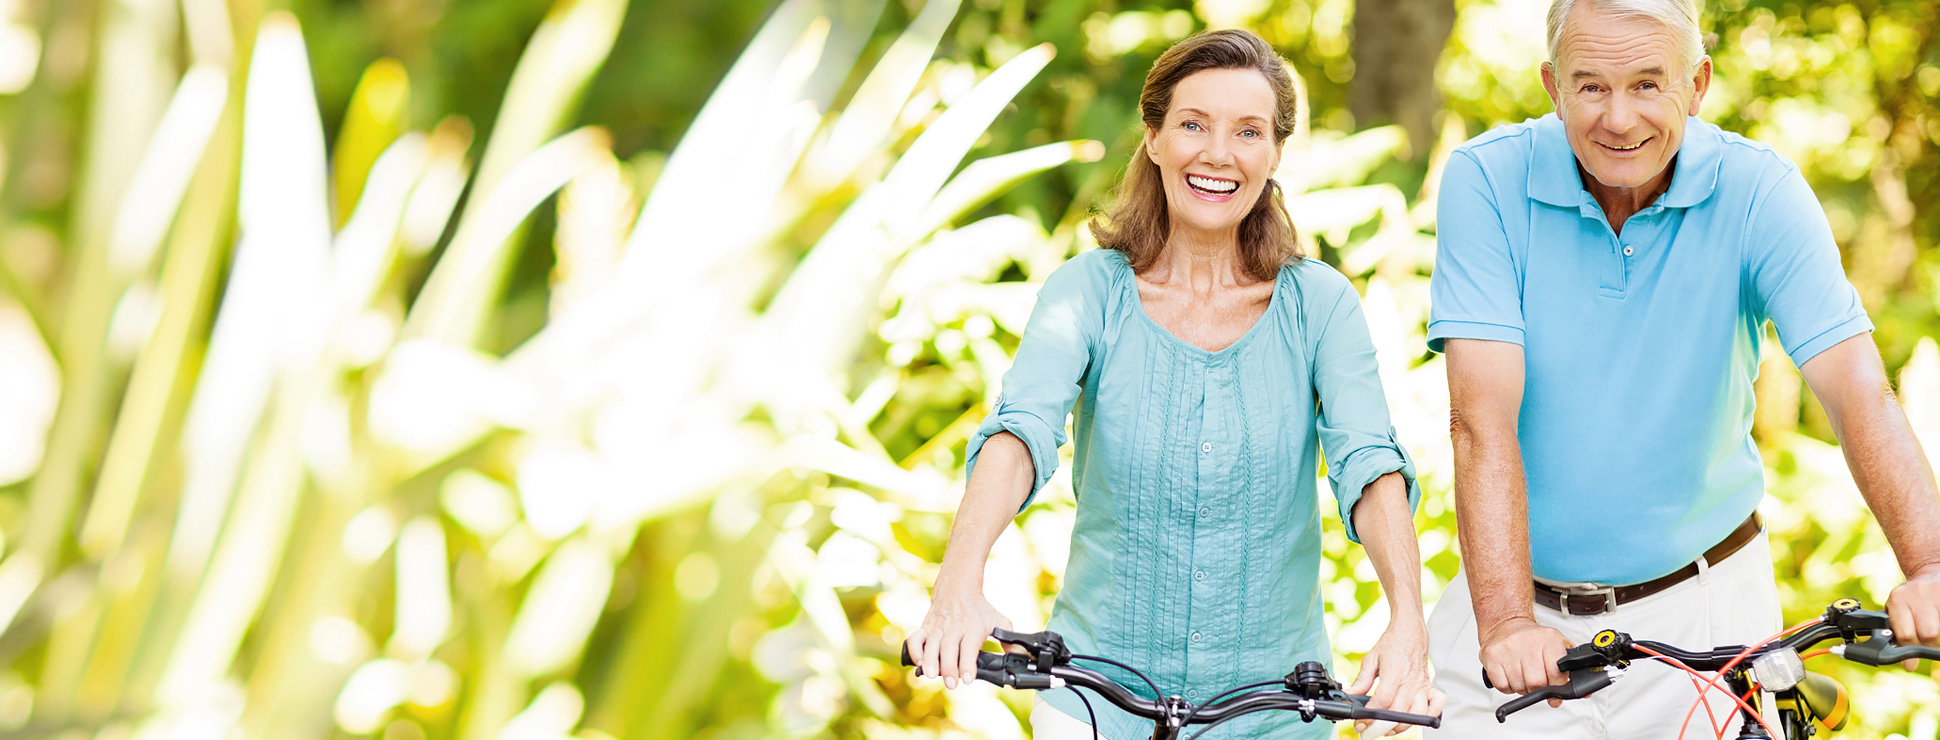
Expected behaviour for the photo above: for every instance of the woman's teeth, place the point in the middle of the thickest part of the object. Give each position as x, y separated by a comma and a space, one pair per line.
1209, 185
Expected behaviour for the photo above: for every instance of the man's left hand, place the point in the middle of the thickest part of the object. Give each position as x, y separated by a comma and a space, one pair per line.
1913, 610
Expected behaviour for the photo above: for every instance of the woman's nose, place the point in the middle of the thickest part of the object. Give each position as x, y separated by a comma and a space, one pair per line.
1216, 153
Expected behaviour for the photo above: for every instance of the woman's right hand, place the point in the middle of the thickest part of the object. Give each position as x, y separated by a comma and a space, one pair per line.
958, 623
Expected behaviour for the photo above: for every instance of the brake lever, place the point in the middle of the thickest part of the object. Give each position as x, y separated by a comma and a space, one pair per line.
1583, 682
1880, 650
1047, 648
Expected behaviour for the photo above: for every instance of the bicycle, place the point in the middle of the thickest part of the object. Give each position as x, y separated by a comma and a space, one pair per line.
1806, 701
1046, 665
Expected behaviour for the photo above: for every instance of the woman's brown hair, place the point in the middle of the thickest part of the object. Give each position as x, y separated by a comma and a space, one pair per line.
1139, 223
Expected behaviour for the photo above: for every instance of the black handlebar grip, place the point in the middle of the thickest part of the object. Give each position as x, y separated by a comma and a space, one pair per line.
990, 667
1486, 683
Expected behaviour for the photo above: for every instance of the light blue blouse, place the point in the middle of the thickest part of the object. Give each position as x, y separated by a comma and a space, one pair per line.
1196, 551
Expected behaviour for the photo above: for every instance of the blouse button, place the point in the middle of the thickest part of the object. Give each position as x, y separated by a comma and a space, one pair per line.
1195, 637
1205, 447
1199, 575
1205, 511
1192, 693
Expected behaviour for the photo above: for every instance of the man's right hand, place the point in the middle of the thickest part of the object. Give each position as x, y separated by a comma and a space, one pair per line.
958, 623
1520, 656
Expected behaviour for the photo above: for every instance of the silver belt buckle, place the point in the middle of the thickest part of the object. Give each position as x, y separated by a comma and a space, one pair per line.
1564, 591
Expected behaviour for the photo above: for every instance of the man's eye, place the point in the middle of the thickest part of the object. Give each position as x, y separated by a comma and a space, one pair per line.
1648, 86
1592, 88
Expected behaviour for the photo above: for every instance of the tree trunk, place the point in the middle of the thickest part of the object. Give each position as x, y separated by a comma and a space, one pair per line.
1396, 46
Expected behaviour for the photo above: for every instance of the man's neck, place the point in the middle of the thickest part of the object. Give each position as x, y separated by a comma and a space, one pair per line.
1618, 203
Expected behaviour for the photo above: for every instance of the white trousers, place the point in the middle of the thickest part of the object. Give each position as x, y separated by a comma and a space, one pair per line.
1048, 723
1733, 602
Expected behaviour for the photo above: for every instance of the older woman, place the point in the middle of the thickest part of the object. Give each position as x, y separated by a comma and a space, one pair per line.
1211, 358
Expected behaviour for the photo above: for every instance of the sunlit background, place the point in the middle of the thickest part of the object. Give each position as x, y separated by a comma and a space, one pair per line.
522, 370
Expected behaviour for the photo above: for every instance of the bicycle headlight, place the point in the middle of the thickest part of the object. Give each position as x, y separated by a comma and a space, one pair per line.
1778, 670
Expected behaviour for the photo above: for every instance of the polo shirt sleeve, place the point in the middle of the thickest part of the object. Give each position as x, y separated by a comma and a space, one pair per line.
1353, 424
1048, 372
1475, 292
1792, 267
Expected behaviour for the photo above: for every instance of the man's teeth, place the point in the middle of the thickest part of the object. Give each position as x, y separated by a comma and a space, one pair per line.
1210, 185
1626, 148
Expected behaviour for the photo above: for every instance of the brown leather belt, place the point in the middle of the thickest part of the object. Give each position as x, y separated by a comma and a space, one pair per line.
1605, 600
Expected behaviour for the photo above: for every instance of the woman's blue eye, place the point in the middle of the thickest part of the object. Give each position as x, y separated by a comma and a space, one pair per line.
1250, 133
1192, 125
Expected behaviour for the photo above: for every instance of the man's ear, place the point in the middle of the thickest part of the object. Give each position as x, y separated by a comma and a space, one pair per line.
1700, 84
1549, 86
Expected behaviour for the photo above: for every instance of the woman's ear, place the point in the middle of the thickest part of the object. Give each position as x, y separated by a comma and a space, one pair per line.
1151, 138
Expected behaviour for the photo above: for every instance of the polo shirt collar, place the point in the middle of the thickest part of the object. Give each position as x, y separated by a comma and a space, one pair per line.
1553, 178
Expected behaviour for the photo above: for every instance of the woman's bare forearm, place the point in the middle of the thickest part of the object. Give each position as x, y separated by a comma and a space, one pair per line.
1387, 528
998, 487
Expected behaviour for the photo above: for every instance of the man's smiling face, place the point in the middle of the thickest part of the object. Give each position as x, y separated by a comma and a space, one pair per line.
1623, 90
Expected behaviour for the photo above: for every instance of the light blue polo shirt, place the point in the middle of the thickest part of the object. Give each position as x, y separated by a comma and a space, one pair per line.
1640, 350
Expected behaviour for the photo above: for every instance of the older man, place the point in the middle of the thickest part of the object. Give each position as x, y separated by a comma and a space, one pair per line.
1602, 286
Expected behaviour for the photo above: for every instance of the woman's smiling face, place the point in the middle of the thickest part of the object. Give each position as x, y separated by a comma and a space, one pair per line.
1215, 150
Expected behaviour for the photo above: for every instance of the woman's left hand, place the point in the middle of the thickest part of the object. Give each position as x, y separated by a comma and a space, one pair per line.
1396, 670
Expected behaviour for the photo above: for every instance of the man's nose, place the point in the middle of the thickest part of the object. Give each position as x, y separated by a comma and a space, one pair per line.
1621, 115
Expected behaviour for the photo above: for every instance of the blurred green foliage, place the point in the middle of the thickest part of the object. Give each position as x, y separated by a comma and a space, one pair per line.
593, 368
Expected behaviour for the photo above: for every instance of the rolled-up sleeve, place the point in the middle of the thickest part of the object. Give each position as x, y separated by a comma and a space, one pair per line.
1355, 432
1045, 378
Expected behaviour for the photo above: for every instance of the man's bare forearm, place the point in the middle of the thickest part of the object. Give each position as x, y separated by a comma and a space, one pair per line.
998, 487
1492, 509
1886, 460
1485, 381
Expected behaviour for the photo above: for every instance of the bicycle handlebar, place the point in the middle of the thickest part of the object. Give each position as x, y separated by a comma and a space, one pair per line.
1018, 671
1844, 620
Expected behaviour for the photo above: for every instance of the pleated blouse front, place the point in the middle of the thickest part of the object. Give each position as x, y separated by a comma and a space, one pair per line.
1196, 549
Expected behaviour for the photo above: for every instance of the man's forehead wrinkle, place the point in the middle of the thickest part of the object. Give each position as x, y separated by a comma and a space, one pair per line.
1637, 54
1618, 42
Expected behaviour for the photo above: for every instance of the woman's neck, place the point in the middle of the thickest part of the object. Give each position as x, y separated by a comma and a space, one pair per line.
1200, 262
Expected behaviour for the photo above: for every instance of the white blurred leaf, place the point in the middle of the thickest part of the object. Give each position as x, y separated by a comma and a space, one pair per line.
30, 390
560, 609
1920, 395
276, 305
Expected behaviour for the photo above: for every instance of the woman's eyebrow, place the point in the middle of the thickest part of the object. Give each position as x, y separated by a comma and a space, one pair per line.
1247, 117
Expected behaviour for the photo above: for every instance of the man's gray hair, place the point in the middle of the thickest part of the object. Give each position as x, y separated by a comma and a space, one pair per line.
1680, 17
